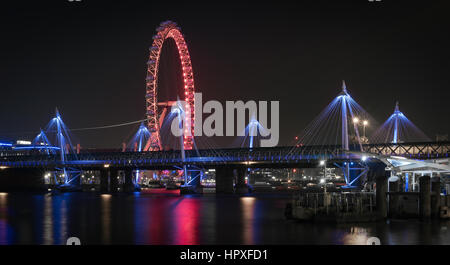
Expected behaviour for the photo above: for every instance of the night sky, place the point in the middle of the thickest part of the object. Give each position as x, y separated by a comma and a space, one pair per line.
89, 59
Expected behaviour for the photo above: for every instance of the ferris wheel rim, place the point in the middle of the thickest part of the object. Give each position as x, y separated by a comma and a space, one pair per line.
166, 30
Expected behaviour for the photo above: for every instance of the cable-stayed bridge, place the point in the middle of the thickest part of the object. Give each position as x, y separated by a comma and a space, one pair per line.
335, 138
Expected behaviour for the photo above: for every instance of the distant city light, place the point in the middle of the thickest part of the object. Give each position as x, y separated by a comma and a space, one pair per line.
322, 162
355, 120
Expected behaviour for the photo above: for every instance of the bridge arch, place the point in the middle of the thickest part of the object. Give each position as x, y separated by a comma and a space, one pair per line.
165, 31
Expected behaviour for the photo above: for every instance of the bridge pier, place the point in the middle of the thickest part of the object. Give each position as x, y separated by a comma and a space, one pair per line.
251, 179
109, 181
425, 197
104, 180
128, 185
241, 187
113, 180
224, 180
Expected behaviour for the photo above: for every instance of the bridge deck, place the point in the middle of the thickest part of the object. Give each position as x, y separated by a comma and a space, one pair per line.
254, 157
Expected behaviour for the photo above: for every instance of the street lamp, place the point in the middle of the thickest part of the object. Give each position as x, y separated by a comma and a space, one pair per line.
365, 123
355, 120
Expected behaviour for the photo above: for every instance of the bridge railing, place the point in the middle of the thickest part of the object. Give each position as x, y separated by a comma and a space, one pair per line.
271, 154
422, 150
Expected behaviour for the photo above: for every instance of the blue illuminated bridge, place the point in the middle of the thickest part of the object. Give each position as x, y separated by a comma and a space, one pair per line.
25, 171
269, 157
333, 139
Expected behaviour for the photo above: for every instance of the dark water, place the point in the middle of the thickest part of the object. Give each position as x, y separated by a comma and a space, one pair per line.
143, 218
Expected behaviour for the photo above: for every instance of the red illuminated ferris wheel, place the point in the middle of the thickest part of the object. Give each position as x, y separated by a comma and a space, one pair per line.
155, 116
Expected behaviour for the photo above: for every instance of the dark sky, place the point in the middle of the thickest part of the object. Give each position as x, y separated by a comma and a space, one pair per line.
89, 60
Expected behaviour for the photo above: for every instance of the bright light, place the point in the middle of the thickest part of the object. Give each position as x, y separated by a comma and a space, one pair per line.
365, 122
398, 157
106, 165
364, 158
322, 162
322, 180
23, 142
355, 120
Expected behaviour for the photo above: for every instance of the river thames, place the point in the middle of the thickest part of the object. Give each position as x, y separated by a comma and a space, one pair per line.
164, 218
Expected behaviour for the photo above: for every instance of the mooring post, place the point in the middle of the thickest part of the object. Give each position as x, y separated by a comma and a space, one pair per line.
436, 196
381, 200
425, 197
394, 187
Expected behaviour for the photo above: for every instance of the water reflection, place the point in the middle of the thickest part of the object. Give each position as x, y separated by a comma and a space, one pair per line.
186, 220
106, 218
173, 219
356, 236
248, 208
4, 227
48, 220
